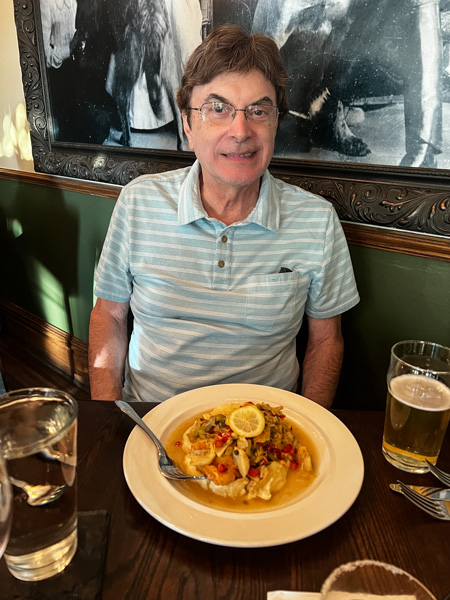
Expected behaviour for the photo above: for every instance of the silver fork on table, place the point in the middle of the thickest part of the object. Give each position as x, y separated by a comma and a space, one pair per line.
436, 493
166, 465
441, 475
439, 509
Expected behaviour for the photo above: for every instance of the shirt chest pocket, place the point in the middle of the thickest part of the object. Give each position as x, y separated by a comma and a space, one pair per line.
274, 301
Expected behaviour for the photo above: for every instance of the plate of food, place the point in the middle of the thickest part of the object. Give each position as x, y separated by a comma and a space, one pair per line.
278, 467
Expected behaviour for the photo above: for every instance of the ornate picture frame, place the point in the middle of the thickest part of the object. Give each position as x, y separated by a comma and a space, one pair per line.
395, 198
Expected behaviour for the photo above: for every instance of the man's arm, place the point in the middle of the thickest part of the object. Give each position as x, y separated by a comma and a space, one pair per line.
108, 346
323, 360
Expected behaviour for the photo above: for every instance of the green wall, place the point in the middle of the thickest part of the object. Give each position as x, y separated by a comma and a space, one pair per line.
50, 241
402, 297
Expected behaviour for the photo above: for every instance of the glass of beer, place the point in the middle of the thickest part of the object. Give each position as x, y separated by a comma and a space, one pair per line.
38, 439
418, 404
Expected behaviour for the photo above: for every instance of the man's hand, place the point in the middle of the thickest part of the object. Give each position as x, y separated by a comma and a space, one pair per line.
108, 347
323, 360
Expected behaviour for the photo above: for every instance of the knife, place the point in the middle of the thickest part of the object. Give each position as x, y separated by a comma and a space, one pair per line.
430, 492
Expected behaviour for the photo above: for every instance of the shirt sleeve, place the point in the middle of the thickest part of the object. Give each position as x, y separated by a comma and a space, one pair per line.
113, 277
333, 289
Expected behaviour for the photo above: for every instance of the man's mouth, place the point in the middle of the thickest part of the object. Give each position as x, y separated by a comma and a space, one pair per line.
240, 155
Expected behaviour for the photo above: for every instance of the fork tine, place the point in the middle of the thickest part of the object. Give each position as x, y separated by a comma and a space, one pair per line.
427, 504
170, 470
413, 499
418, 501
444, 477
423, 500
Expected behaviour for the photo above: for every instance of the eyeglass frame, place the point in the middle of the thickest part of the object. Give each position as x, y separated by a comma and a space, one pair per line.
235, 110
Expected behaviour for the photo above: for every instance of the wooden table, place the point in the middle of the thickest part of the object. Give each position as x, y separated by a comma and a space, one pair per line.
146, 560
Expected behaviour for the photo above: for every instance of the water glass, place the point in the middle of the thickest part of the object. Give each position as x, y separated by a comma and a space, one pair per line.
418, 404
5, 506
38, 439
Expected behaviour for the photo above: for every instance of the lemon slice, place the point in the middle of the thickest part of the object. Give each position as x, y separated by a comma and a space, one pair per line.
246, 421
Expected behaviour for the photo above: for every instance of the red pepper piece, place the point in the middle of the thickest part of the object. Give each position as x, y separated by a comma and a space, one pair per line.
294, 465
221, 468
289, 449
253, 472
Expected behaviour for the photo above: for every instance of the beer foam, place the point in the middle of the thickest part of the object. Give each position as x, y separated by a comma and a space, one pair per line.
421, 391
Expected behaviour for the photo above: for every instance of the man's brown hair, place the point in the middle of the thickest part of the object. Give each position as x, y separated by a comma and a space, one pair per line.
229, 49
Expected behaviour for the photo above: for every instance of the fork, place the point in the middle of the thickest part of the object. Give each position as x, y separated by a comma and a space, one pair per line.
439, 509
444, 477
166, 465
435, 493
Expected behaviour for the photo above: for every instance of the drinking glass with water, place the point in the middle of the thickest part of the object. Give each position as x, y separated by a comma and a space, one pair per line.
38, 435
5, 506
418, 404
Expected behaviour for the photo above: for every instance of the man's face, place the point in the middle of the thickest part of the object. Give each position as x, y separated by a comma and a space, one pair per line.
235, 154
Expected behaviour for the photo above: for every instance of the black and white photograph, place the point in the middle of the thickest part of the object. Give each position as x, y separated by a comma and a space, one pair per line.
369, 95
369, 81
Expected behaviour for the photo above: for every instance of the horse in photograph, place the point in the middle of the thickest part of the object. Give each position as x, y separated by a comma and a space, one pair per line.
122, 40
335, 52
141, 30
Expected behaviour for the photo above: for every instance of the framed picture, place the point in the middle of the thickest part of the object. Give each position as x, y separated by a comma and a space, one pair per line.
369, 93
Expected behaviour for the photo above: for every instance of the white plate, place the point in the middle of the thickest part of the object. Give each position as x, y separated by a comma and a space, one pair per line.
337, 485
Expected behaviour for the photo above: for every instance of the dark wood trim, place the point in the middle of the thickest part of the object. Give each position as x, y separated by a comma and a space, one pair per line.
403, 242
103, 190
380, 238
52, 346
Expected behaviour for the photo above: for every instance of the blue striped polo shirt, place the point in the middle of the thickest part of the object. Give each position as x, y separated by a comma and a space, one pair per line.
215, 303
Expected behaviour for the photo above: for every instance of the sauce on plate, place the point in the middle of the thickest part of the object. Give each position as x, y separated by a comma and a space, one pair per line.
297, 481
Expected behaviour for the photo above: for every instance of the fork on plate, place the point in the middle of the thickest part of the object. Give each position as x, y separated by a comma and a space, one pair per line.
166, 465
439, 509
441, 475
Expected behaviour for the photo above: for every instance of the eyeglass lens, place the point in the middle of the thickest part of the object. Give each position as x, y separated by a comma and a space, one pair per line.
217, 112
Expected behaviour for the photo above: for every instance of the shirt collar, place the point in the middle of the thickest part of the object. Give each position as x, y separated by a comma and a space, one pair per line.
266, 212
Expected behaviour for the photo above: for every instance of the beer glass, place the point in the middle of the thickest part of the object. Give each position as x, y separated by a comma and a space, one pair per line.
38, 434
418, 404
372, 579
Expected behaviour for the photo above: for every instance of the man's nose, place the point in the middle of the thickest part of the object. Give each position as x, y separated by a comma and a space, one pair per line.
240, 126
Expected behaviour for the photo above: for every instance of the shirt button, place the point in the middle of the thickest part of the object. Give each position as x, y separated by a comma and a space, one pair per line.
221, 264
224, 239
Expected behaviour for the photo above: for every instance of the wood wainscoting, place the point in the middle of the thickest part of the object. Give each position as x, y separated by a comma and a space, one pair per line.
35, 353
386, 238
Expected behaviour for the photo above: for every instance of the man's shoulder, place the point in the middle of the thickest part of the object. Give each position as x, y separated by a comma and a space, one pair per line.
293, 192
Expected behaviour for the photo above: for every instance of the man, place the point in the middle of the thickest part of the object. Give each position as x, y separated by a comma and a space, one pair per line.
219, 261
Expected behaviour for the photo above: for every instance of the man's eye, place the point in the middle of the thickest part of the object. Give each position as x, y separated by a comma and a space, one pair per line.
219, 108
258, 111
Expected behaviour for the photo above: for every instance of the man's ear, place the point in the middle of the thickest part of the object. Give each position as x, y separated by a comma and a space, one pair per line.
187, 129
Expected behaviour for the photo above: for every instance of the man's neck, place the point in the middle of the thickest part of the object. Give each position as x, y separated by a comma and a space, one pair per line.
231, 205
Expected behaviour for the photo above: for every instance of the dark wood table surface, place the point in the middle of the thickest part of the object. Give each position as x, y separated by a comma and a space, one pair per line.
146, 560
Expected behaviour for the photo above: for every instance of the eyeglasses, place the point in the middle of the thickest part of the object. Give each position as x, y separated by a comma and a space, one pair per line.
221, 112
